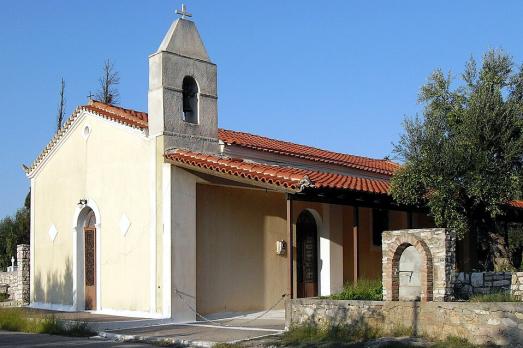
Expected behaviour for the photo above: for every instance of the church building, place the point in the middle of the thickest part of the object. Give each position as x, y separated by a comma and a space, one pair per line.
159, 214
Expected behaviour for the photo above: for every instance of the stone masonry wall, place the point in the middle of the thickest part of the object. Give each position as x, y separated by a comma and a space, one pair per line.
467, 284
517, 285
11, 279
437, 248
18, 281
23, 262
480, 323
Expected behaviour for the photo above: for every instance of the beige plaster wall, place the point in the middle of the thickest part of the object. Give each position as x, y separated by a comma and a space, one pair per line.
112, 167
237, 265
369, 254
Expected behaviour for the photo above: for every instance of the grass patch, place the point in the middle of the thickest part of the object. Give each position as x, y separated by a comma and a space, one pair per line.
314, 335
453, 342
494, 297
364, 289
15, 319
356, 335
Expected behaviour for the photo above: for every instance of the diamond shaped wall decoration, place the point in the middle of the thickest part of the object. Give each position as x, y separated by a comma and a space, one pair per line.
124, 224
52, 233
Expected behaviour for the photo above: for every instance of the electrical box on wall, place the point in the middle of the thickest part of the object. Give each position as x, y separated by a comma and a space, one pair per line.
281, 247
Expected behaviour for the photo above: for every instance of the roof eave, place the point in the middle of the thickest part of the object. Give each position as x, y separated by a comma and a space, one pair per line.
236, 178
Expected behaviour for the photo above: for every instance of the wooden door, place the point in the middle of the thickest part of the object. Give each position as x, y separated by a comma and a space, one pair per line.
307, 255
90, 267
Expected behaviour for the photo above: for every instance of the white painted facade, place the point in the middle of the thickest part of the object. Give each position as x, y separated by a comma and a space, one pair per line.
148, 229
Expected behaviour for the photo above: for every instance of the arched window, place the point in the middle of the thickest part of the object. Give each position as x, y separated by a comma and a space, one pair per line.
190, 100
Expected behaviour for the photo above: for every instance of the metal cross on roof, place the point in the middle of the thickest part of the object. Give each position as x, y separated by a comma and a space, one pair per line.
90, 96
183, 12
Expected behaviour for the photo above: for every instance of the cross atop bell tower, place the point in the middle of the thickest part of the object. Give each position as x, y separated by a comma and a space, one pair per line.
183, 94
183, 12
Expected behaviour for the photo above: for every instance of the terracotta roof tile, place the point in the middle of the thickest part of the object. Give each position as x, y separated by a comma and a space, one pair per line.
288, 177
517, 204
280, 147
285, 177
139, 120
129, 117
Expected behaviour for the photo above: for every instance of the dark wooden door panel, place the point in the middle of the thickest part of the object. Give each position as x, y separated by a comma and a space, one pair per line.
90, 268
307, 256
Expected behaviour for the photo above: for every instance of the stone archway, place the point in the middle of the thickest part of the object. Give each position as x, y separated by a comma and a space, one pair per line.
436, 248
426, 271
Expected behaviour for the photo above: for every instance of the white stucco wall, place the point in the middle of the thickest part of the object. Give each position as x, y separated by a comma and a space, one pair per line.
114, 168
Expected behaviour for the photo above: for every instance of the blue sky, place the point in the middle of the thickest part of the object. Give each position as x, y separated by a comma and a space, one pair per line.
340, 75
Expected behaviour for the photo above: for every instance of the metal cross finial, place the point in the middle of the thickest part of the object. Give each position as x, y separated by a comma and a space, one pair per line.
90, 96
183, 12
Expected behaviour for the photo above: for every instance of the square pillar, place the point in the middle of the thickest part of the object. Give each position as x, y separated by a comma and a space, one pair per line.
331, 250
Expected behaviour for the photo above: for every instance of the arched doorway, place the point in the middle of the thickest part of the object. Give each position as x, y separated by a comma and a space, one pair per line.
306, 255
89, 229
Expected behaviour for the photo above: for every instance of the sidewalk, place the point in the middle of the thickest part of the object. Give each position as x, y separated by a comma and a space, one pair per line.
228, 328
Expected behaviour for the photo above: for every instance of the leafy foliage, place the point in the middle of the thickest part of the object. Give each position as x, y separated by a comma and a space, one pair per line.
365, 289
464, 157
14, 230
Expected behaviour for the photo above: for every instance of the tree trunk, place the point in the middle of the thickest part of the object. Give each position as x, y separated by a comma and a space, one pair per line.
499, 252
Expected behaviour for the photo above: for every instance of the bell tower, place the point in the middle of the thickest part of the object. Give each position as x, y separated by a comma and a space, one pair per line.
182, 99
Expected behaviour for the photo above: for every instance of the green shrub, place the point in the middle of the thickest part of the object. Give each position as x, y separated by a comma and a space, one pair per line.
364, 289
4, 296
494, 297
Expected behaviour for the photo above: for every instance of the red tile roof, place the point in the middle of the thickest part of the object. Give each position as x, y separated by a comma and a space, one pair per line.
286, 177
129, 117
279, 176
140, 120
516, 204
260, 143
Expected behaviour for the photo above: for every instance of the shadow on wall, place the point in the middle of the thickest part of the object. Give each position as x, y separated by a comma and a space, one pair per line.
58, 287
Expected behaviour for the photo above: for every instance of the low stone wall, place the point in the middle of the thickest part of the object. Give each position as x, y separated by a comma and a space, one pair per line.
467, 284
11, 280
516, 286
18, 281
480, 323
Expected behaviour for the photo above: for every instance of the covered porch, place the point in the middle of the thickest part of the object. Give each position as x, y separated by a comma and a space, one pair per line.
256, 243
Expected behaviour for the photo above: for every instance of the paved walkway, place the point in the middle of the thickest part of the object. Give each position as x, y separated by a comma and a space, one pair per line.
20, 339
225, 329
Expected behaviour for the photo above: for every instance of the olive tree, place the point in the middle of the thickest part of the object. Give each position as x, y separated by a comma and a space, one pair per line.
463, 157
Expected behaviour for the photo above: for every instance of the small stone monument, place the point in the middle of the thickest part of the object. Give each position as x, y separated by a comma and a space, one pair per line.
418, 264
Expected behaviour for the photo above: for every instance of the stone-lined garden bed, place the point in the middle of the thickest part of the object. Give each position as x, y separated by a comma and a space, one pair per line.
480, 323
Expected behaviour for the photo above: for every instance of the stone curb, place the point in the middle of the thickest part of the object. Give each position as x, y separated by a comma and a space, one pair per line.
154, 340
171, 340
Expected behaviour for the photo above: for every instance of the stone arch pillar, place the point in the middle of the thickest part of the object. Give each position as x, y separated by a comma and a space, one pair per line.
437, 250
